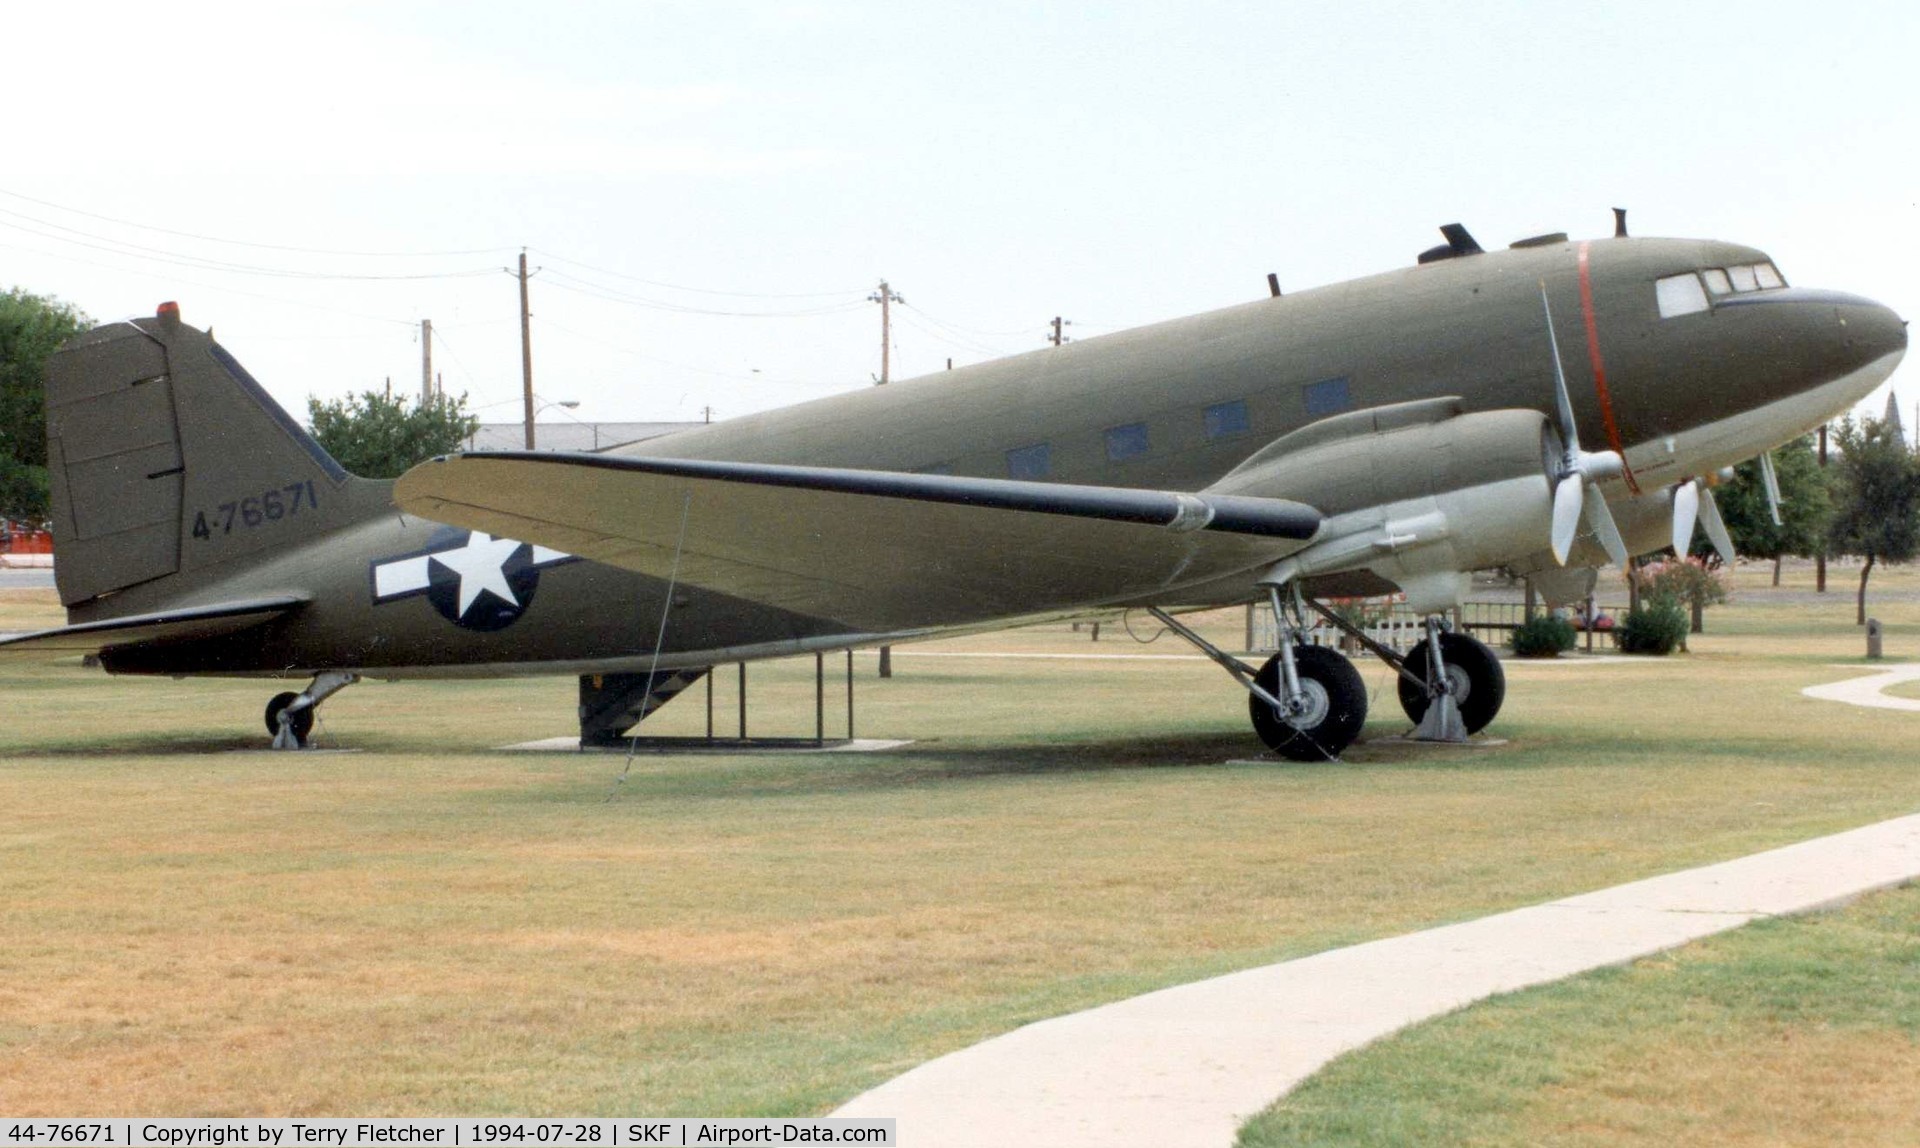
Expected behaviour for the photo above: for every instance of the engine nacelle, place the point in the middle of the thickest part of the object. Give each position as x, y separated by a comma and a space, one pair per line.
1421, 497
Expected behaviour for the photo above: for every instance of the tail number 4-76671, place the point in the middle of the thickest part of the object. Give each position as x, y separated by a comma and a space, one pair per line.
256, 509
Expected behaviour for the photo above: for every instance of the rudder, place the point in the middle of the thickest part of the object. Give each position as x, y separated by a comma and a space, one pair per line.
166, 459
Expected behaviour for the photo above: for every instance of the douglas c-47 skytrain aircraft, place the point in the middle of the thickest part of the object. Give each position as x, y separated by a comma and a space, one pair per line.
1547, 408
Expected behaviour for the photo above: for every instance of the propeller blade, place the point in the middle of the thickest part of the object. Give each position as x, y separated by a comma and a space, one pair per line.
1770, 479
1686, 509
1569, 433
1567, 497
1600, 521
1716, 527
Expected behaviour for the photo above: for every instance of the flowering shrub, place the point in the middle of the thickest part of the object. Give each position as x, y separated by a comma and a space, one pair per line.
1687, 582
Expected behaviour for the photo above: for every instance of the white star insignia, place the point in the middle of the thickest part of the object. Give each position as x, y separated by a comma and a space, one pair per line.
481, 565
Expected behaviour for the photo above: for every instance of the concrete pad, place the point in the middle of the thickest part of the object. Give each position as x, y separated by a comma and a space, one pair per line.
1186, 1066
700, 745
1865, 691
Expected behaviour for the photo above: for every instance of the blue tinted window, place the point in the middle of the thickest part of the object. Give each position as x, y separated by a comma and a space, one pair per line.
1329, 396
1227, 418
1034, 461
1126, 442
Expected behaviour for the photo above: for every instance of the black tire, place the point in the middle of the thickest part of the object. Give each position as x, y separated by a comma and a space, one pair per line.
1339, 707
1480, 685
302, 719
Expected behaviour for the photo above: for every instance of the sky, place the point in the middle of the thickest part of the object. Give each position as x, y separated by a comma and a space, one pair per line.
708, 192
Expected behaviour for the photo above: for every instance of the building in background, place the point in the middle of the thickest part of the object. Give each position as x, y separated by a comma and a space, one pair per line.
575, 436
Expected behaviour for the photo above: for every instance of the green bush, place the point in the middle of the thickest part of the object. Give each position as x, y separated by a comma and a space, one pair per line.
1658, 627
1545, 636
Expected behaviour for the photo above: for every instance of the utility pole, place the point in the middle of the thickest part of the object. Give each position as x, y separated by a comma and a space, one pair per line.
886, 297
707, 413
526, 348
426, 362
1058, 337
1820, 559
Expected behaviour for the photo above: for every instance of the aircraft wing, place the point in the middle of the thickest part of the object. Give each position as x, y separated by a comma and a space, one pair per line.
136, 629
875, 550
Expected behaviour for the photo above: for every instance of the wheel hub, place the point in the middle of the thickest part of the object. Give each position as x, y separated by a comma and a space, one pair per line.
1310, 708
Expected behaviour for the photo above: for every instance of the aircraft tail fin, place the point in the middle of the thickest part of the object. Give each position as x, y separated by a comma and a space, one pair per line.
167, 460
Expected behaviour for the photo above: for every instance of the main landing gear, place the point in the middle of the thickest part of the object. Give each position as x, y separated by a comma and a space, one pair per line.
1308, 702
290, 715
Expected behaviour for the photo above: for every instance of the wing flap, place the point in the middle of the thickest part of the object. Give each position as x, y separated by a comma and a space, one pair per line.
140, 629
874, 550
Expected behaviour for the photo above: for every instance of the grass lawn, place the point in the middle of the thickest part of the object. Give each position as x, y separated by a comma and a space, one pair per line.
1793, 1031
427, 925
1907, 689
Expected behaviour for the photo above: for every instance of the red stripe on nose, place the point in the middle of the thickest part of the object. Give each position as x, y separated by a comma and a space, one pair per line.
1599, 367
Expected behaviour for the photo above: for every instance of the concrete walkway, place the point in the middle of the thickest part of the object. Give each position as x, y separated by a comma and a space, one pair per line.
1866, 691
1186, 1066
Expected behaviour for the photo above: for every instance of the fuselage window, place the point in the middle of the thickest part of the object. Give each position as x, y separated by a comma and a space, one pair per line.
1717, 281
1227, 418
1034, 461
1126, 442
1680, 295
1768, 276
1327, 397
1744, 278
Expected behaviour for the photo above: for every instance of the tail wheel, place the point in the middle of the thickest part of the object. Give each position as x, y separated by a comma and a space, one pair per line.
1479, 684
302, 719
1336, 707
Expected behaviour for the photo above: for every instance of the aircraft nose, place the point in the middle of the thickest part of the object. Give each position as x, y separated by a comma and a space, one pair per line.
1870, 329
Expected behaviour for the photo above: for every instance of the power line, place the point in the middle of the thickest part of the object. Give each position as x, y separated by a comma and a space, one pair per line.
130, 250
742, 376
172, 280
592, 290
246, 243
694, 290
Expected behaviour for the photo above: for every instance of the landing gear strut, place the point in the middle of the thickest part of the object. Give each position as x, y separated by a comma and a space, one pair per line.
1450, 685
290, 715
1307, 703
1474, 684
1332, 704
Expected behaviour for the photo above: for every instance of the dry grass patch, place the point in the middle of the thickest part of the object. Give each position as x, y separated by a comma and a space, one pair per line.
427, 925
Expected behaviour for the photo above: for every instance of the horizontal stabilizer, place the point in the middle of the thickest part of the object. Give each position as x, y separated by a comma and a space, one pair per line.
881, 550
140, 629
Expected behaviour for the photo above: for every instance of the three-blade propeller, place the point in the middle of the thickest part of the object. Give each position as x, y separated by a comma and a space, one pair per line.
1694, 502
1577, 473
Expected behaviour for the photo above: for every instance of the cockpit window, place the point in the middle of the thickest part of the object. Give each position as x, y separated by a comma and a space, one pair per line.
1690, 293
1680, 295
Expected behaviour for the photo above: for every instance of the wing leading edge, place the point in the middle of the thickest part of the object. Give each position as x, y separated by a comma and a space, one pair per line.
877, 550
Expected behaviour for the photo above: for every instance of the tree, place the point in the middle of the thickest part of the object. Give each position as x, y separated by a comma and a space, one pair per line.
378, 436
1805, 507
1876, 498
32, 327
